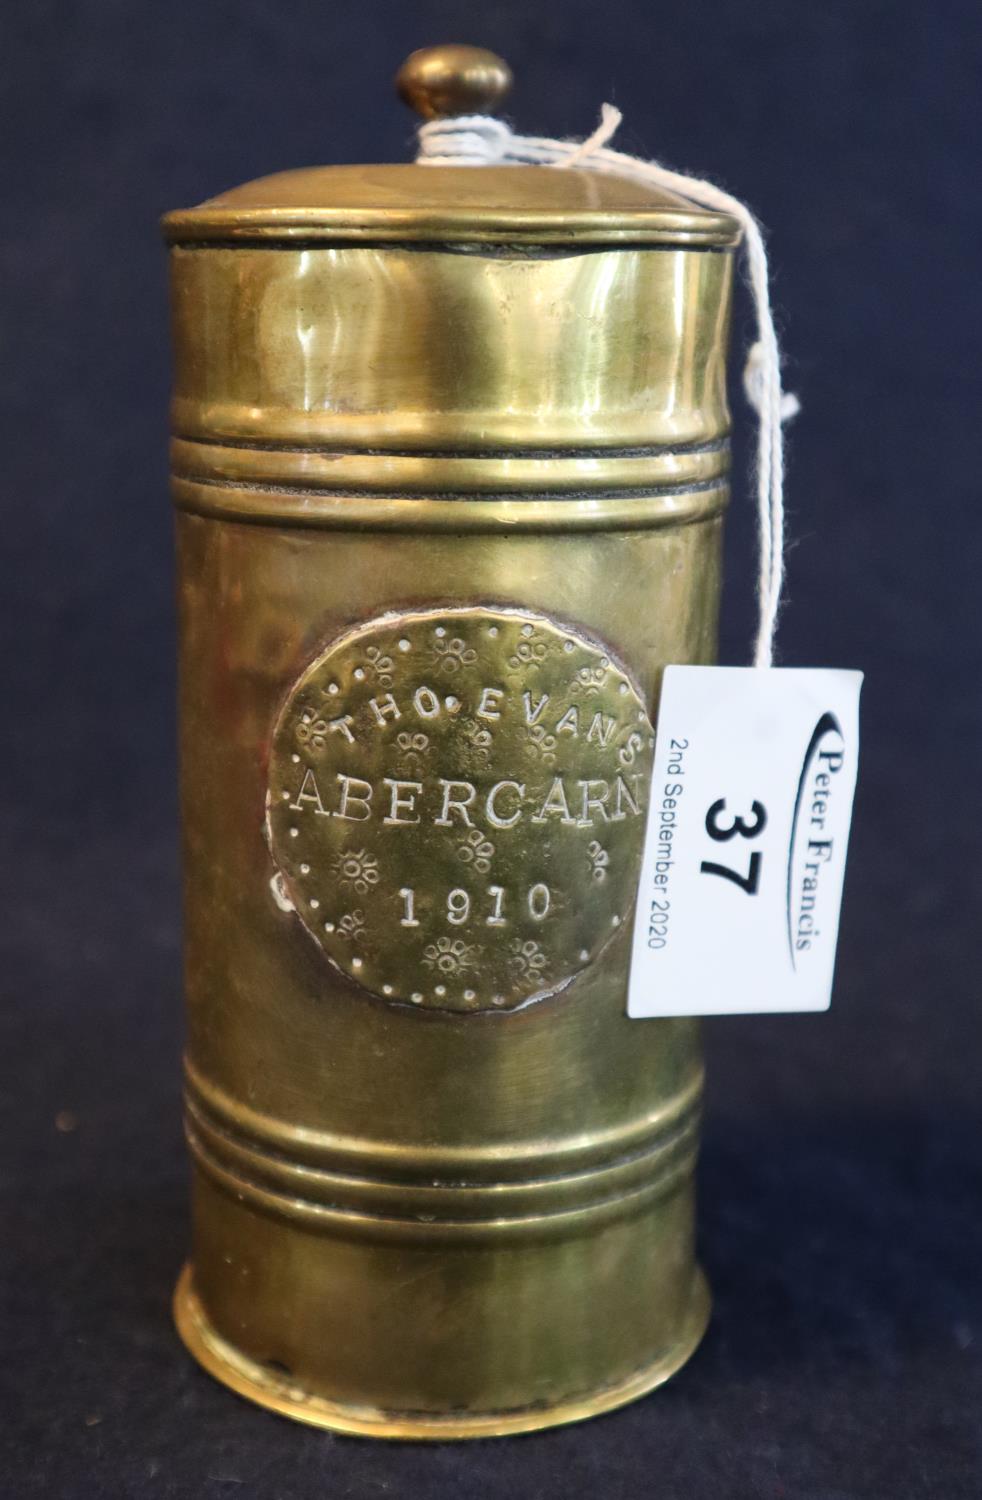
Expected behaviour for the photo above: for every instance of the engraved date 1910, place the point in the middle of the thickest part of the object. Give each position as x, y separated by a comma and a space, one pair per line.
459, 906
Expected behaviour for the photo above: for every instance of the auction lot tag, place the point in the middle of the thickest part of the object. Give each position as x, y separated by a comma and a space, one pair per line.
745, 850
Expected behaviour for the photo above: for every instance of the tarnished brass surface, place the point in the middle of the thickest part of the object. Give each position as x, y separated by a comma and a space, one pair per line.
271, 1388
445, 1190
425, 371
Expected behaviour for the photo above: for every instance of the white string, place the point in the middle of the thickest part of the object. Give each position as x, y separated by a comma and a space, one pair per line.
480, 140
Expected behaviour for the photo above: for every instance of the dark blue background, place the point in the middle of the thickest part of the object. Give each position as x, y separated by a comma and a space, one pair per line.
840, 1186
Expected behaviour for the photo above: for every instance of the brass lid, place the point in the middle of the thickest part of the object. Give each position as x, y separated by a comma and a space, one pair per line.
517, 205
502, 205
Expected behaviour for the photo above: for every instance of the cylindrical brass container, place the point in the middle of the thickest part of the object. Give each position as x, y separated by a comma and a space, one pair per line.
449, 465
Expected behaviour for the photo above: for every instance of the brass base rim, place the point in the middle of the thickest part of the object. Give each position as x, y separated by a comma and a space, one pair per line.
258, 1384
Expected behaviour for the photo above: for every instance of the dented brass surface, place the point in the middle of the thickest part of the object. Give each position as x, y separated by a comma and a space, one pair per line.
446, 508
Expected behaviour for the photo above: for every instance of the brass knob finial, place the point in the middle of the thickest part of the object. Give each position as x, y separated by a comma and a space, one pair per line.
453, 80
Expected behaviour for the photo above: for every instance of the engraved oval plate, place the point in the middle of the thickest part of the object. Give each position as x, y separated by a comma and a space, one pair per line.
456, 804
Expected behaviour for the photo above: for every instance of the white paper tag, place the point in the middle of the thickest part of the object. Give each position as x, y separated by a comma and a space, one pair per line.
745, 849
